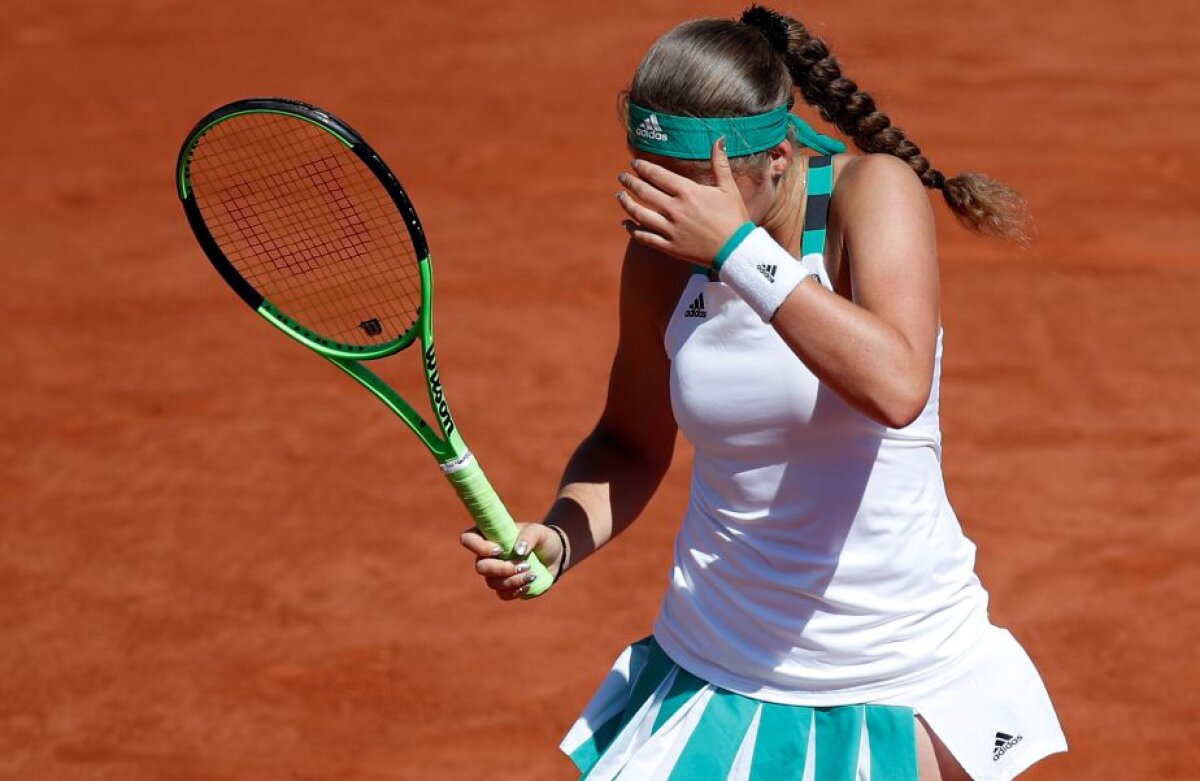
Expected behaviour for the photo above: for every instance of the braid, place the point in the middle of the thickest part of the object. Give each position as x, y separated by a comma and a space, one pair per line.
979, 202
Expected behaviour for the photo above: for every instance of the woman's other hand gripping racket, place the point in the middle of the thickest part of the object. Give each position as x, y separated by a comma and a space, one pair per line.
511, 576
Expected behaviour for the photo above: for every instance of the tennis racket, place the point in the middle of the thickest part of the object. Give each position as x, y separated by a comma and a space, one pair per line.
311, 229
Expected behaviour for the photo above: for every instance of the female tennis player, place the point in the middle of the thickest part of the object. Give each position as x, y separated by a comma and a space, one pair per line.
822, 618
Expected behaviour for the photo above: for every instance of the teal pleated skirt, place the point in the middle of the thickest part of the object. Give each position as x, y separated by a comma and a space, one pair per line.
653, 721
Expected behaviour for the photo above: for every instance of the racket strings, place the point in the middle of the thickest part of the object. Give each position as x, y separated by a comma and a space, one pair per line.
314, 237
309, 226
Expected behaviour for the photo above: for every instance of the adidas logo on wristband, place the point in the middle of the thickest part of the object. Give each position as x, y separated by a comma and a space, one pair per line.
768, 272
1004, 742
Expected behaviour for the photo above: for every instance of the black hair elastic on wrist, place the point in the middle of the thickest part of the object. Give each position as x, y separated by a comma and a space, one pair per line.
562, 540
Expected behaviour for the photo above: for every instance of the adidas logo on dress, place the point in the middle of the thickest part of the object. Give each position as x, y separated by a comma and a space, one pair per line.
696, 309
768, 272
649, 128
1004, 742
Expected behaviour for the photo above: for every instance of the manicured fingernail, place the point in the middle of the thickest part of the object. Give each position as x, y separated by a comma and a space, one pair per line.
497, 550
634, 164
522, 589
623, 178
530, 577
620, 196
721, 143
522, 548
523, 566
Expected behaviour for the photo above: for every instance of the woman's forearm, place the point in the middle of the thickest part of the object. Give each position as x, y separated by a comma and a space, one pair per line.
605, 487
867, 361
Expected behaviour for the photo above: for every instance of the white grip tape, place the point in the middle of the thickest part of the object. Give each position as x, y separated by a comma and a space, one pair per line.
762, 273
457, 464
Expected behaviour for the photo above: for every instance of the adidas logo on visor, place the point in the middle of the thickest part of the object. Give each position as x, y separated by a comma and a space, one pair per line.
651, 129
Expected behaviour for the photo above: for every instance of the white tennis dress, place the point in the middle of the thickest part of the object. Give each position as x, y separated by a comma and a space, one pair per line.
819, 561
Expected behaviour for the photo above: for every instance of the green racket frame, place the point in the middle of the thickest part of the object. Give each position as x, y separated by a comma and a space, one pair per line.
444, 442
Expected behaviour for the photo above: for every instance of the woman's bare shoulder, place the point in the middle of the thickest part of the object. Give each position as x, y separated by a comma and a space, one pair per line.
855, 173
651, 283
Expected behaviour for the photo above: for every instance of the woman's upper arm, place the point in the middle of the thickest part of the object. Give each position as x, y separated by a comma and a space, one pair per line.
890, 244
637, 413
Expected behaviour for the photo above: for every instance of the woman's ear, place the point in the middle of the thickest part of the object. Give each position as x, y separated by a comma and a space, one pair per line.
780, 159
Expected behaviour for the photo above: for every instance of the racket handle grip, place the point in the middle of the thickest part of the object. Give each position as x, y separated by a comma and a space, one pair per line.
491, 515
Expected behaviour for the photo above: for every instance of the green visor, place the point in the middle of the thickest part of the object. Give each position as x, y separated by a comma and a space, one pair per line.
692, 138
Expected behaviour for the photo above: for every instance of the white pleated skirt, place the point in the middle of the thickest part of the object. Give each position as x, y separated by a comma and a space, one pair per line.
651, 720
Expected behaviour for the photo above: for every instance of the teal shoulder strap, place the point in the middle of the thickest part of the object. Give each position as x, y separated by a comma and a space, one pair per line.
816, 214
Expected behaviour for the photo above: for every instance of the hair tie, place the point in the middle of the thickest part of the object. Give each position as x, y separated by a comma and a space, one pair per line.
772, 26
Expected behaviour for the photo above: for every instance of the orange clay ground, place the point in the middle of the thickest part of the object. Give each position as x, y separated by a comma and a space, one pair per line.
191, 585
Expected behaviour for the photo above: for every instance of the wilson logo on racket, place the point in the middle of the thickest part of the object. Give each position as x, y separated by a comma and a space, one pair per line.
371, 327
435, 387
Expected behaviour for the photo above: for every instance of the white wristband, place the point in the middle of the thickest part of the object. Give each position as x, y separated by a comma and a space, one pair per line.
762, 273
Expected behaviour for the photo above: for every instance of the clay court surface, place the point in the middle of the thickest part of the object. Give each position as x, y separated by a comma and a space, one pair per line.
219, 559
